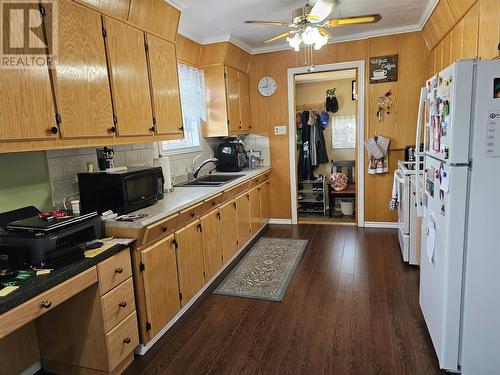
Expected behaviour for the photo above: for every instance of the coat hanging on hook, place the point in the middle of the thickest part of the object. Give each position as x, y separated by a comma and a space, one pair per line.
332, 104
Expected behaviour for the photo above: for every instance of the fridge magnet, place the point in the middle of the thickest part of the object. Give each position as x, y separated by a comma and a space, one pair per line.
443, 209
496, 88
384, 69
436, 142
444, 127
446, 108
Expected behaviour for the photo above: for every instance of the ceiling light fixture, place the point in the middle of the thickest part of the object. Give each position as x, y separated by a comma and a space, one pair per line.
311, 35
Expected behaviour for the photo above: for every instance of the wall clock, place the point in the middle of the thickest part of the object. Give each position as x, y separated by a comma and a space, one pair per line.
267, 86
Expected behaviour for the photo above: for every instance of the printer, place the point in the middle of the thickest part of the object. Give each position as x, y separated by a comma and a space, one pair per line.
28, 241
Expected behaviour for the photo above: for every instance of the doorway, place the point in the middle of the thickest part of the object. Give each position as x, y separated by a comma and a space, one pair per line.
326, 181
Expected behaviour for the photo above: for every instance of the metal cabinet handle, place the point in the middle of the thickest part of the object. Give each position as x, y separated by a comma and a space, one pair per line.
193, 214
127, 340
122, 304
119, 270
54, 130
112, 130
46, 304
164, 229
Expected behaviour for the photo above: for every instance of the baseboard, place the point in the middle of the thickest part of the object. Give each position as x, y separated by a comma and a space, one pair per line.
142, 349
280, 221
381, 225
33, 369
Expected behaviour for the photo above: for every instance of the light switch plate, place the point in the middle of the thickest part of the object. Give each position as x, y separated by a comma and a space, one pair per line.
280, 130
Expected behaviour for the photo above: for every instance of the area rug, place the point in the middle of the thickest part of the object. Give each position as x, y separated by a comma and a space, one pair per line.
265, 271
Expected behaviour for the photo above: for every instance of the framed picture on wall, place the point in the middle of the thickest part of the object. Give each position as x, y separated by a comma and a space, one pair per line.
354, 90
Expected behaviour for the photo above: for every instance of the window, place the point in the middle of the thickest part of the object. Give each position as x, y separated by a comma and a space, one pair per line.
344, 132
193, 103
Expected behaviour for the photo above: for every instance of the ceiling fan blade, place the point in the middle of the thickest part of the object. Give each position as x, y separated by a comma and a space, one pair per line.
346, 21
278, 37
272, 23
321, 10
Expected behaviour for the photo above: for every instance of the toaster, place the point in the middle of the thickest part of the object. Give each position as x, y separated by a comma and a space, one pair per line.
231, 157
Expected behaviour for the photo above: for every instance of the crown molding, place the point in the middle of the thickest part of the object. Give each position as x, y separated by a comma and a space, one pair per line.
178, 4
350, 38
431, 5
216, 39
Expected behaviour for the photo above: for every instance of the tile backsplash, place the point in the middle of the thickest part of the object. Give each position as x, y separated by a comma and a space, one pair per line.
64, 165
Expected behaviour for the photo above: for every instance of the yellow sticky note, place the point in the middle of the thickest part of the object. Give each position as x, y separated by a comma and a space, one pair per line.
7, 290
42, 272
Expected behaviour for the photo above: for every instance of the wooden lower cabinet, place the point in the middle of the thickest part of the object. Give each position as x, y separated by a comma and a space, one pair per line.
265, 201
255, 209
161, 285
243, 218
229, 230
212, 246
190, 260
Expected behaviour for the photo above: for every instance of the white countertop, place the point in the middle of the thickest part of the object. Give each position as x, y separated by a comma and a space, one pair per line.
182, 197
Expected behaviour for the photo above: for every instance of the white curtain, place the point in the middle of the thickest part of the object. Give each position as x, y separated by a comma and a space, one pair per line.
192, 90
344, 132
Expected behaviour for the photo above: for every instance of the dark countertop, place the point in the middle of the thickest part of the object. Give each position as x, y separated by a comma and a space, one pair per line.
36, 285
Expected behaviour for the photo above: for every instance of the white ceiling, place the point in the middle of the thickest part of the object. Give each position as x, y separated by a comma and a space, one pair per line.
209, 21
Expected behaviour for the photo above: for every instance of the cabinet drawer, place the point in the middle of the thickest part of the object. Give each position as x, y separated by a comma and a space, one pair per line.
45, 302
114, 271
122, 340
211, 203
190, 214
160, 229
233, 192
117, 304
256, 181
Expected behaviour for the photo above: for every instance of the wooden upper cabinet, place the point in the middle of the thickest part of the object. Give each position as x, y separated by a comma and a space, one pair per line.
215, 89
155, 16
228, 230
161, 287
212, 246
190, 260
114, 8
244, 101
81, 74
26, 103
489, 29
129, 78
164, 86
233, 99
460, 7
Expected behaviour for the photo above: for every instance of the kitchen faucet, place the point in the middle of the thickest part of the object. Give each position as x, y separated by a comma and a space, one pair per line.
203, 163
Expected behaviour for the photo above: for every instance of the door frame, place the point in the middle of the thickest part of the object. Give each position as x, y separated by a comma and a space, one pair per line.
360, 127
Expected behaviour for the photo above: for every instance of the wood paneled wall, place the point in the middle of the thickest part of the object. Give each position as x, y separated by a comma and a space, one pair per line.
267, 112
475, 32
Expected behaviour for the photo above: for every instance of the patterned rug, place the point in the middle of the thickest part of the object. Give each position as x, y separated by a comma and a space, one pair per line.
265, 271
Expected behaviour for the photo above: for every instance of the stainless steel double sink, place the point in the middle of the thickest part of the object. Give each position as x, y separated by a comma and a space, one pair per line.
211, 180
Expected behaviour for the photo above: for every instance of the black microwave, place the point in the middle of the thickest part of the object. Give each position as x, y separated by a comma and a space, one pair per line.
122, 191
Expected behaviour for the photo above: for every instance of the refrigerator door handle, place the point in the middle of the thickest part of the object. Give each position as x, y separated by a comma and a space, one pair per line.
419, 155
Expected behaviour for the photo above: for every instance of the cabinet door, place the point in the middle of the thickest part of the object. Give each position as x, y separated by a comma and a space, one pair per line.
489, 29
155, 16
233, 100
161, 285
81, 74
243, 219
244, 101
228, 230
114, 8
255, 212
190, 260
129, 78
212, 246
26, 103
164, 86
265, 202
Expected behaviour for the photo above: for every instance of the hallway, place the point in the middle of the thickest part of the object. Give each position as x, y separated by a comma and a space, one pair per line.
351, 308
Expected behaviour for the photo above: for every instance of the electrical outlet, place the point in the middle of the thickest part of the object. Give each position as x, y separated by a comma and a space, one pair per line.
280, 130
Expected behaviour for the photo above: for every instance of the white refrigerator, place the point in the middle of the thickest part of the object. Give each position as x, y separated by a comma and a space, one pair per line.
460, 254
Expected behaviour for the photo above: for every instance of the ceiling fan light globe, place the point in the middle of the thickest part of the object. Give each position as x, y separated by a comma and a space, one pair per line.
295, 41
310, 35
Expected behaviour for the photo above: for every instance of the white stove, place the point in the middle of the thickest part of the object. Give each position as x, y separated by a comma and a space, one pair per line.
408, 232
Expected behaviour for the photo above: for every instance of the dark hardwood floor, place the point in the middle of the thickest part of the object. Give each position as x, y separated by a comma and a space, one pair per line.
351, 308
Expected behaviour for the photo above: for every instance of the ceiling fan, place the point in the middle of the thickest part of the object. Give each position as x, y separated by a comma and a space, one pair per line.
310, 24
